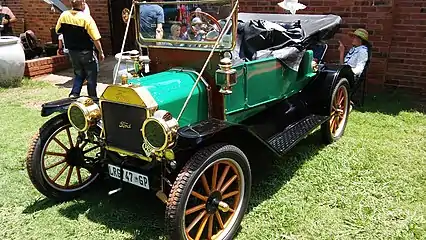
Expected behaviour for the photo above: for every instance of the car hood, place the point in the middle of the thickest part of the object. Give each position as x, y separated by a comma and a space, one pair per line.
170, 90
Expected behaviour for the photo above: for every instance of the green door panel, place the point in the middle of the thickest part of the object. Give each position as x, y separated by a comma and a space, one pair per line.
170, 90
263, 81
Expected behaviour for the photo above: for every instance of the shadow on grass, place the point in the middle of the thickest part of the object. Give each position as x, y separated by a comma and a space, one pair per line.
272, 174
391, 102
141, 214
39, 205
134, 211
67, 84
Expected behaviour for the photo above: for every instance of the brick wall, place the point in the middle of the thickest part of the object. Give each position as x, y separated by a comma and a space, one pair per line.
397, 31
46, 65
407, 59
37, 16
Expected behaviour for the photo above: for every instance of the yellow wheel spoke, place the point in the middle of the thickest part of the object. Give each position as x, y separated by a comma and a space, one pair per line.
214, 177
56, 164
231, 194
67, 182
70, 138
60, 173
219, 220
210, 229
201, 228
205, 184
56, 154
222, 178
199, 196
60, 143
195, 209
227, 184
79, 175
195, 221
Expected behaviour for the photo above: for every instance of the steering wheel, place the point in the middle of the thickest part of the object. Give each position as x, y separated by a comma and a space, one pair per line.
213, 26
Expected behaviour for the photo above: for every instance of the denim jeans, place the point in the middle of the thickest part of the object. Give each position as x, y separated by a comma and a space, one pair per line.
86, 66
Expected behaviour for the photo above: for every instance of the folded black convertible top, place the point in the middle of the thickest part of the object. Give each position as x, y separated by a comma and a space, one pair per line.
310, 24
283, 36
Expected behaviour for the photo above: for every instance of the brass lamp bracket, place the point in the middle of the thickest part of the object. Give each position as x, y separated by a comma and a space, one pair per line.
226, 77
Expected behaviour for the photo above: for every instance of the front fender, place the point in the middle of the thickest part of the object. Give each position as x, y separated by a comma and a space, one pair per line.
60, 106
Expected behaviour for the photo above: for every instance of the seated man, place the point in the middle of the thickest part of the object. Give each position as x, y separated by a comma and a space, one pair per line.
358, 55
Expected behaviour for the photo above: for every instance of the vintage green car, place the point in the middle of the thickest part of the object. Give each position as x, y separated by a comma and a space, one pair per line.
203, 100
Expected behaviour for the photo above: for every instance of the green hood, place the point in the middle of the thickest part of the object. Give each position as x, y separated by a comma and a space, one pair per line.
170, 90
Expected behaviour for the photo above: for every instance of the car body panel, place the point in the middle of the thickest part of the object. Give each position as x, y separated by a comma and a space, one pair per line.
264, 81
170, 90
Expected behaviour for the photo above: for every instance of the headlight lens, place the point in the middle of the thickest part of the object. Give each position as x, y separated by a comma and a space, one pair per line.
83, 113
155, 135
159, 131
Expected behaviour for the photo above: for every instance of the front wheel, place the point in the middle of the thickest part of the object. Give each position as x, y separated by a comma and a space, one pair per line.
58, 165
210, 195
334, 128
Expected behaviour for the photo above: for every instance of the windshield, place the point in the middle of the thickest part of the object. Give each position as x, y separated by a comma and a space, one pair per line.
184, 24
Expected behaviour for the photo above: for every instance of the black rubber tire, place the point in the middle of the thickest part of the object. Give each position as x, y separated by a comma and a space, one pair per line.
326, 133
34, 162
186, 179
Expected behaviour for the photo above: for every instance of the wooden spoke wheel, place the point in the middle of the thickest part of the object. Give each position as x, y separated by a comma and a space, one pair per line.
59, 166
339, 111
210, 195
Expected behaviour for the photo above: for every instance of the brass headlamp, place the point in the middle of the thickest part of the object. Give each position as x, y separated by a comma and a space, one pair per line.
159, 132
83, 113
226, 77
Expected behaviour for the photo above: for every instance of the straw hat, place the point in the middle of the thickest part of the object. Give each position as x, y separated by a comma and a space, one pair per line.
361, 33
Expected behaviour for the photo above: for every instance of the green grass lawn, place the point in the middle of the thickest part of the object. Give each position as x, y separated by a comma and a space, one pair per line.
369, 185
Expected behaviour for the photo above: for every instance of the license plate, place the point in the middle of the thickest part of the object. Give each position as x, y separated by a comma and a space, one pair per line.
134, 178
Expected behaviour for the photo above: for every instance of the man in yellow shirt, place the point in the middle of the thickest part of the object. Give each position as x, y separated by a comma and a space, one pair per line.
81, 35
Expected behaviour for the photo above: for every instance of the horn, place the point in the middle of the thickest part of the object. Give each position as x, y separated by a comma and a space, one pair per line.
125, 15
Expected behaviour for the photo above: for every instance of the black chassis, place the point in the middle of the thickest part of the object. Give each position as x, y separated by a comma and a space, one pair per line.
287, 122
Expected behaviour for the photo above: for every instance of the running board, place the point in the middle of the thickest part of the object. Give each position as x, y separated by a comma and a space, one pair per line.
284, 141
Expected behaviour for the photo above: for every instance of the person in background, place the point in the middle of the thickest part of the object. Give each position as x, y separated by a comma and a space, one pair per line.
62, 49
151, 20
81, 35
6, 19
358, 55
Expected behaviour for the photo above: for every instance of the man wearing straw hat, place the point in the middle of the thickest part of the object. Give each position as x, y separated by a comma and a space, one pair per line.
358, 55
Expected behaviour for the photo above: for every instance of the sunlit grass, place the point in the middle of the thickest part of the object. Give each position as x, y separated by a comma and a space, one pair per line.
369, 185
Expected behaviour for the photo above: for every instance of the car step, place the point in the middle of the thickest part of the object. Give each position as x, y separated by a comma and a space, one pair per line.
284, 141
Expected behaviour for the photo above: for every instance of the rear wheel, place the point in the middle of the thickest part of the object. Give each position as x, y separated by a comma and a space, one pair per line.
333, 129
58, 165
210, 195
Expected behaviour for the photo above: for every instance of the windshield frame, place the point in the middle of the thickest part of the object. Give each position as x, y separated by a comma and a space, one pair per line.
142, 41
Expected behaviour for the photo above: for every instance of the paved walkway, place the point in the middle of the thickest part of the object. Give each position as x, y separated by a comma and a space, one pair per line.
63, 79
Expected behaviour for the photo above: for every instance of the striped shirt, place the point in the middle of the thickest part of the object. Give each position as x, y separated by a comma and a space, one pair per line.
357, 58
79, 30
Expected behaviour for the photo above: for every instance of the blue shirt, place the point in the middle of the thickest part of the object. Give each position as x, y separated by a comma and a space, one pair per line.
357, 57
150, 16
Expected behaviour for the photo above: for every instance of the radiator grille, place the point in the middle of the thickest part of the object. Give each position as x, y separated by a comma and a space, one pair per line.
122, 124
